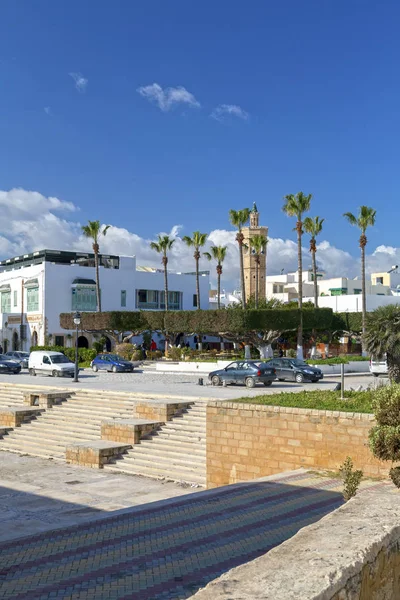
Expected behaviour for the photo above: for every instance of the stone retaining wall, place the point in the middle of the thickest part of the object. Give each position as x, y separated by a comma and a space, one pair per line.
247, 441
351, 554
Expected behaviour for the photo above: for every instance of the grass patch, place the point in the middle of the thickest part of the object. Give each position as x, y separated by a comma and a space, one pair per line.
360, 402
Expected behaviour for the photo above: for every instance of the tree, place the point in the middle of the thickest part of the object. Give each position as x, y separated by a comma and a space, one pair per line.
258, 244
382, 337
366, 218
163, 244
217, 253
239, 219
384, 437
313, 226
197, 241
295, 206
93, 230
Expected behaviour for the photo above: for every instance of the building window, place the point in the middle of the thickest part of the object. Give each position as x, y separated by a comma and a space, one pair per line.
123, 298
338, 291
59, 340
174, 300
379, 280
147, 299
358, 291
32, 299
84, 298
15, 298
5, 302
195, 300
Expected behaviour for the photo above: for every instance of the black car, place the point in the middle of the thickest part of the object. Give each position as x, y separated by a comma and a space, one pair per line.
248, 372
294, 369
8, 365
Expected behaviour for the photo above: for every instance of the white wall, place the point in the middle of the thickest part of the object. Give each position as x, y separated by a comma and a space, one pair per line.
353, 302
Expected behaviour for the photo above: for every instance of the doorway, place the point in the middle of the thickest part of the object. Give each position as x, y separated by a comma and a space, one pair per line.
83, 342
15, 342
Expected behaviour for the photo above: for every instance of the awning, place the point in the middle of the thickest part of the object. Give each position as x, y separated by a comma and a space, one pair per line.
5, 288
79, 282
31, 283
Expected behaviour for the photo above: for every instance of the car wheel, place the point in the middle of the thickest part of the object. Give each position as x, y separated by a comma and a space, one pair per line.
114, 369
375, 374
95, 368
299, 378
32, 372
55, 373
215, 380
250, 383
267, 383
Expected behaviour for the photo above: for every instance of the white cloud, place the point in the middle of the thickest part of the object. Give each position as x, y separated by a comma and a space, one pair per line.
31, 221
80, 81
229, 110
169, 97
47, 110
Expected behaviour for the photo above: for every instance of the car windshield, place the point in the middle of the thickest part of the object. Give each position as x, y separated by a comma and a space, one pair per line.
115, 357
59, 358
298, 363
4, 357
23, 354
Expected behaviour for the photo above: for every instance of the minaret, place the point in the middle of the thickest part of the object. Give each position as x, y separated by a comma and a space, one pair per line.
249, 260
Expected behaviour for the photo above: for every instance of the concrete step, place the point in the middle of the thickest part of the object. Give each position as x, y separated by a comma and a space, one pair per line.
167, 459
172, 446
45, 426
164, 433
34, 448
177, 475
58, 438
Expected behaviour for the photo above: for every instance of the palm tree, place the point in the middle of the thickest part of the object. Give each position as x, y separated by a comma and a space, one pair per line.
366, 218
313, 226
239, 218
258, 244
217, 253
295, 206
163, 244
93, 230
382, 337
197, 241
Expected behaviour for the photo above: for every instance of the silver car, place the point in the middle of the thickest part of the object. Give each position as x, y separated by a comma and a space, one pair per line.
21, 357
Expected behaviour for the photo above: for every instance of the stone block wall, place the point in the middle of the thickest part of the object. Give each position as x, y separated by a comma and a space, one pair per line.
93, 454
247, 441
127, 431
158, 411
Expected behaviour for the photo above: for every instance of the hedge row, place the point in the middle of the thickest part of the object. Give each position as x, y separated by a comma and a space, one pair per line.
202, 321
84, 354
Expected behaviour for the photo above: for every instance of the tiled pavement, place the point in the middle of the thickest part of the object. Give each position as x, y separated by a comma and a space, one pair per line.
168, 549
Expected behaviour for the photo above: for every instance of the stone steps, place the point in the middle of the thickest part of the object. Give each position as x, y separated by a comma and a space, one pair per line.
177, 451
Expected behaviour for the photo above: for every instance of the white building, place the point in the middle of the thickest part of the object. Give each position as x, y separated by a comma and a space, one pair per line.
35, 288
339, 293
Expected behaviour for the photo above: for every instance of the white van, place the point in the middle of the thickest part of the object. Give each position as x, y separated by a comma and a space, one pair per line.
50, 363
378, 366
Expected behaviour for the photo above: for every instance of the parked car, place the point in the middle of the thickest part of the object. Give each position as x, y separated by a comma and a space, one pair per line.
7, 365
248, 372
111, 362
378, 366
21, 357
50, 363
294, 369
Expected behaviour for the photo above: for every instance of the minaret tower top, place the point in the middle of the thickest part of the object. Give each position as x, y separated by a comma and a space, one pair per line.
254, 216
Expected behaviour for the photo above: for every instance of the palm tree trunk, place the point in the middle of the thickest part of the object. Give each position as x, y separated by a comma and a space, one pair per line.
218, 288
165, 262
393, 368
242, 273
314, 267
300, 294
364, 298
96, 266
256, 294
197, 280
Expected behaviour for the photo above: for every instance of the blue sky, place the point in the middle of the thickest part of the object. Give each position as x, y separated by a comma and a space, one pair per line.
317, 83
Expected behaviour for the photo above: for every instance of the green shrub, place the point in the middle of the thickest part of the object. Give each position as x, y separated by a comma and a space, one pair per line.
351, 479
85, 355
154, 354
137, 355
175, 353
384, 437
124, 350
291, 353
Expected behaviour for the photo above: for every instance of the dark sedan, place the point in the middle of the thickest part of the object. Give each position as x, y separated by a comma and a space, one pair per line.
9, 366
111, 362
21, 357
294, 369
248, 372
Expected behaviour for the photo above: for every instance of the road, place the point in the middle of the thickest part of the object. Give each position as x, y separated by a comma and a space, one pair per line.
150, 383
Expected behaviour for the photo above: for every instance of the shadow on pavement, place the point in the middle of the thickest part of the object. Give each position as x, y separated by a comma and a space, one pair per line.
167, 549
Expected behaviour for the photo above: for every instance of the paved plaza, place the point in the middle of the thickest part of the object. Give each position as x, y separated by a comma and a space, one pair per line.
150, 382
167, 549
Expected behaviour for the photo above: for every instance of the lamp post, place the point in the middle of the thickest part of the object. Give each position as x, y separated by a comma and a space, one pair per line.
77, 321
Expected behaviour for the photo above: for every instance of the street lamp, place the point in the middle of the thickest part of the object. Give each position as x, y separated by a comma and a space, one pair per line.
77, 321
